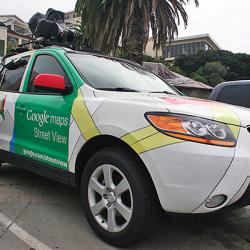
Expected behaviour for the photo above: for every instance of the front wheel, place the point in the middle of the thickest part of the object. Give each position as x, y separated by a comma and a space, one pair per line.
118, 198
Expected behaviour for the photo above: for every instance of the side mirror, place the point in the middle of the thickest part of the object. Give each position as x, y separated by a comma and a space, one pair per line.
51, 83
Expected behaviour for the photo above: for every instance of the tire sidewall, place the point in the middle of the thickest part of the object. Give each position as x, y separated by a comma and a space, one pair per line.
126, 165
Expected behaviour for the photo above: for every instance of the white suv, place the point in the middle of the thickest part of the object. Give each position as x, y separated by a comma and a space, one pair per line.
124, 136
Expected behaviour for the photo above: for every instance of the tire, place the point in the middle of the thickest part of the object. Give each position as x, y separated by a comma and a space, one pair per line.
139, 215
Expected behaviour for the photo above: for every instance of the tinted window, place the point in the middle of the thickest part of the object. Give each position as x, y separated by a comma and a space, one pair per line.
2, 71
46, 64
106, 73
11, 79
237, 95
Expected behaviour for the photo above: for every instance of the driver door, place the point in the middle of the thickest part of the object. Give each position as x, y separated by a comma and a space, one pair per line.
42, 118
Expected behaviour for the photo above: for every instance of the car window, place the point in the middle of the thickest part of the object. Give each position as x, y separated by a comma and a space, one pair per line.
2, 71
10, 80
236, 95
106, 73
46, 64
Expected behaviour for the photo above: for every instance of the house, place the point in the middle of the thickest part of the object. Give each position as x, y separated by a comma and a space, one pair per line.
3, 39
13, 30
186, 85
72, 18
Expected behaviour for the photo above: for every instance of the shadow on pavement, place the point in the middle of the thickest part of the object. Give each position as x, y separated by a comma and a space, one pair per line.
228, 230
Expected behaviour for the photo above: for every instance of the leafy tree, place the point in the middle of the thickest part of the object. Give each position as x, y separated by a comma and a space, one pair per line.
11, 47
147, 58
214, 72
237, 65
127, 22
176, 69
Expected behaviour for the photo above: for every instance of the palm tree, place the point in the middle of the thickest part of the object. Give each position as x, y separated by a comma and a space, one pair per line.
81, 38
110, 23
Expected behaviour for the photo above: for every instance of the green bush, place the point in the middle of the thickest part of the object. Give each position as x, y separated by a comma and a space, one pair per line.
215, 66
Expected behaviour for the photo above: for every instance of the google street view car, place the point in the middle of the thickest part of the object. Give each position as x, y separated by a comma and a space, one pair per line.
125, 137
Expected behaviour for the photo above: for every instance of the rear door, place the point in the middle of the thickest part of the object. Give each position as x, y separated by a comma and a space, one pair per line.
10, 82
43, 119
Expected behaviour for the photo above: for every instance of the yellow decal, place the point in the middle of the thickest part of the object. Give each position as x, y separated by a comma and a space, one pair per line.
83, 118
139, 135
235, 130
155, 141
224, 114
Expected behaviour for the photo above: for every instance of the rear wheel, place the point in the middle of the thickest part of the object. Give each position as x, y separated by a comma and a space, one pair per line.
118, 198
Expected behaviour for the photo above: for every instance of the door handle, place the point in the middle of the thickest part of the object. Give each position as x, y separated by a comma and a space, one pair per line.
21, 109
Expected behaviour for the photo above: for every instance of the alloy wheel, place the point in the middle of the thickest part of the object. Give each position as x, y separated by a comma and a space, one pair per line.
110, 198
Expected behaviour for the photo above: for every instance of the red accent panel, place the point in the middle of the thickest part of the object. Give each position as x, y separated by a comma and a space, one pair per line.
50, 81
189, 100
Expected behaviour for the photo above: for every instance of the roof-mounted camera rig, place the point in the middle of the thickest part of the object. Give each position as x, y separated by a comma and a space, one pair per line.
48, 30
51, 28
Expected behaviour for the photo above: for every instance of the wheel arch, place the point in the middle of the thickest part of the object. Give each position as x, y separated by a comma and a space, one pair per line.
98, 143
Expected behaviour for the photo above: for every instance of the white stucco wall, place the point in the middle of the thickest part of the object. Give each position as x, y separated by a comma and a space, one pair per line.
3, 36
151, 51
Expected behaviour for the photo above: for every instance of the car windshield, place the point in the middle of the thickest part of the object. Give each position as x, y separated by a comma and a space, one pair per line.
117, 75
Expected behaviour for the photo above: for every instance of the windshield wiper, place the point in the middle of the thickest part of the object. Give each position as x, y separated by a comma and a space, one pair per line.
120, 89
164, 92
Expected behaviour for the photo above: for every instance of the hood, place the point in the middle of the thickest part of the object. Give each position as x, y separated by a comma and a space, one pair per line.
221, 112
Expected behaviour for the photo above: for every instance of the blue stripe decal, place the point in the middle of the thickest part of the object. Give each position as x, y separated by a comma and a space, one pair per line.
12, 142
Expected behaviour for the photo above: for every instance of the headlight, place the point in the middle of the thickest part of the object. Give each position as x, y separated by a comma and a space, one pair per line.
192, 128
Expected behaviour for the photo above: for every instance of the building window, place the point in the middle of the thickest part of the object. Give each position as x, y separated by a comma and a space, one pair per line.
172, 51
2, 48
198, 46
193, 48
181, 49
13, 40
167, 52
20, 30
202, 45
189, 47
185, 49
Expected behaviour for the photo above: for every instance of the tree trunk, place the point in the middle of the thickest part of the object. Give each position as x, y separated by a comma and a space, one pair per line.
135, 40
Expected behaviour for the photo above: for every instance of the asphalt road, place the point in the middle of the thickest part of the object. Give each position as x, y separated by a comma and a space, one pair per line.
50, 213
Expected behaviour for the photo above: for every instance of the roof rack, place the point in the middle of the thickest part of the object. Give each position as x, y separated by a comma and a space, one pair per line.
41, 43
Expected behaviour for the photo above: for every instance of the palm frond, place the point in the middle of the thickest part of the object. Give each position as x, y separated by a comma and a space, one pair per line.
107, 21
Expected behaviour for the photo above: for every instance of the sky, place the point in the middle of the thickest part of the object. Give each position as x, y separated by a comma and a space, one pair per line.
227, 21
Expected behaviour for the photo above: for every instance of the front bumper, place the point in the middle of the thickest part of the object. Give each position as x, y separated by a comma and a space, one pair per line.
236, 180
187, 174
